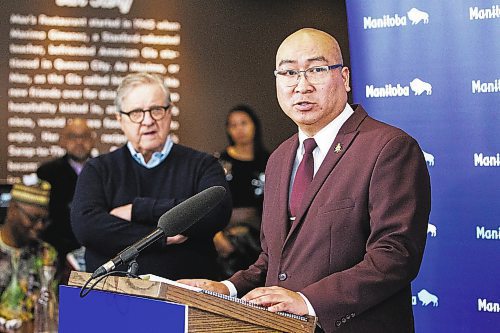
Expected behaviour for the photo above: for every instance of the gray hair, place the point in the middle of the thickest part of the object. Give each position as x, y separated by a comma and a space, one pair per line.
135, 79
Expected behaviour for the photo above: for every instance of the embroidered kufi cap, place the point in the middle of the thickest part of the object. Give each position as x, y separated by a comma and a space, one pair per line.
32, 191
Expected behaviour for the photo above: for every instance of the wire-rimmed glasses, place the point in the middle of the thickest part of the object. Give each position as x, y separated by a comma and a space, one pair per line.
315, 75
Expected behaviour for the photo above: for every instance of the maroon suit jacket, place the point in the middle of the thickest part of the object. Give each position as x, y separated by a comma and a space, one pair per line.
359, 236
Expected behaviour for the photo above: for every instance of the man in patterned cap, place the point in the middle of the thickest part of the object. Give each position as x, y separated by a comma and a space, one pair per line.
22, 253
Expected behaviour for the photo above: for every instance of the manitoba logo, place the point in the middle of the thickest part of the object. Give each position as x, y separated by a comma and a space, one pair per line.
429, 158
489, 234
476, 13
414, 15
483, 305
425, 298
484, 160
431, 230
481, 87
418, 87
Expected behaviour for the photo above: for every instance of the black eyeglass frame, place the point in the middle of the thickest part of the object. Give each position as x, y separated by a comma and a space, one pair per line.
164, 108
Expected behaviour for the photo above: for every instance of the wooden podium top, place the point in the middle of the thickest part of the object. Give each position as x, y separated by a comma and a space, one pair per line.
207, 313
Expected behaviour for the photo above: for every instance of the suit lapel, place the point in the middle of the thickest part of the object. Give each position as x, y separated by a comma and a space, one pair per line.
343, 140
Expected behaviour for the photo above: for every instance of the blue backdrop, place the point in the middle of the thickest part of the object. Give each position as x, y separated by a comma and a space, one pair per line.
432, 68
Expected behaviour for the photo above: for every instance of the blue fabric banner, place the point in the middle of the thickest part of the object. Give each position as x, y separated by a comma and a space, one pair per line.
432, 68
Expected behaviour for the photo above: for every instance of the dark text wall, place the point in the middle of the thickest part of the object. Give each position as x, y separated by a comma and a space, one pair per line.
66, 57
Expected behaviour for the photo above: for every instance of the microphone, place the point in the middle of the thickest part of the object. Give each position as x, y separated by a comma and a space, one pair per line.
171, 223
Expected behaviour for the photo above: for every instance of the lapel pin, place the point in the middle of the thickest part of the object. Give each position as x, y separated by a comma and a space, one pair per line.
338, 148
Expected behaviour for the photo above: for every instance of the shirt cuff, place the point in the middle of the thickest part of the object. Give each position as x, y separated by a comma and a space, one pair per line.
310, 309
232, 289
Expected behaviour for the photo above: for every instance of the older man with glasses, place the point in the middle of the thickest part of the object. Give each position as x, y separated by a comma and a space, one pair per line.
121, 195
22, 253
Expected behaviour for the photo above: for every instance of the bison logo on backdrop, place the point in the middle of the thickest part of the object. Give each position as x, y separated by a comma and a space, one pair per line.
431, 229
429, 158
416, 16
426, 298
418, 86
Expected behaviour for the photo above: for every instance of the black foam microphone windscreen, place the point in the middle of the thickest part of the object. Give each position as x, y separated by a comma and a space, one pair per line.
188, 212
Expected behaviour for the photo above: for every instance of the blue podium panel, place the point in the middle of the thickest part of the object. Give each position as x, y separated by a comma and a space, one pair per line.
102, 311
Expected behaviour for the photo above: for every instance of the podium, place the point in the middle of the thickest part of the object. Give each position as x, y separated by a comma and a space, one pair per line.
202, 312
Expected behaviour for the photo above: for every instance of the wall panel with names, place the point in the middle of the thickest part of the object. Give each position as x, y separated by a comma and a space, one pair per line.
65, 60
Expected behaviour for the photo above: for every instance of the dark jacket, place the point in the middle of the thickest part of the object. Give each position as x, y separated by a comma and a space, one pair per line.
62, 178
115, 179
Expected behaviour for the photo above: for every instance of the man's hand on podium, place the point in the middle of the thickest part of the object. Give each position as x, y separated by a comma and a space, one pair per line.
277, 299
215, 286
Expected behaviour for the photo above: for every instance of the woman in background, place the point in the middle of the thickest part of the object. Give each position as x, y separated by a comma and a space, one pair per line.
244, 162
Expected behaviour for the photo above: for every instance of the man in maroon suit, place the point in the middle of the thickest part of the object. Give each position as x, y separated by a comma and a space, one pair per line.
346, 245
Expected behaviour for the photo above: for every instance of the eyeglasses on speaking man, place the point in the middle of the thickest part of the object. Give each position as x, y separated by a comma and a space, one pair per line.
314, 75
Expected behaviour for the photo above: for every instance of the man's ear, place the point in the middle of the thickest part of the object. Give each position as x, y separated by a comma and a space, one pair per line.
346, 76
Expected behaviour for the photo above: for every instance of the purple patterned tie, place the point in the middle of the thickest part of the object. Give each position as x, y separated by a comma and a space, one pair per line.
303, 177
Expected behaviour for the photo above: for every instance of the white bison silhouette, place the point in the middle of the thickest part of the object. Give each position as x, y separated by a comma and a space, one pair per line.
418, 86
416, 16
431, 229
426, 298
429, 158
